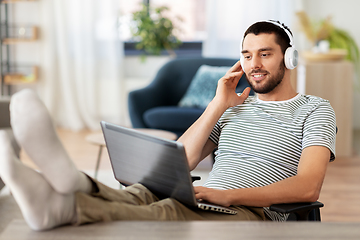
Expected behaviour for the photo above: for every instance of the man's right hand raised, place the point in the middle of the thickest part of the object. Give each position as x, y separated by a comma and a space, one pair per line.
225, 92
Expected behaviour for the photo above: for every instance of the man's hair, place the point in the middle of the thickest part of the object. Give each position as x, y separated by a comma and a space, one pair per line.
266, 27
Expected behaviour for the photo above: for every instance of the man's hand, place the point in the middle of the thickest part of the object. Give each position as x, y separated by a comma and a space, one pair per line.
212, 196
225, 92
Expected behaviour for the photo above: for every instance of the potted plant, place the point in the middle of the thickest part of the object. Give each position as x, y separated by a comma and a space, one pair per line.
154, 31
330, 41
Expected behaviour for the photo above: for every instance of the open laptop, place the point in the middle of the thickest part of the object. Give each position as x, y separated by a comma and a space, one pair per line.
158, 164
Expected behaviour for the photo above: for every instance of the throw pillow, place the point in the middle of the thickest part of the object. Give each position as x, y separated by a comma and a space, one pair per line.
202, 88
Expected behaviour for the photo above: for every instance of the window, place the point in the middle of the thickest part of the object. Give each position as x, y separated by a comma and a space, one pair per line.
193, 26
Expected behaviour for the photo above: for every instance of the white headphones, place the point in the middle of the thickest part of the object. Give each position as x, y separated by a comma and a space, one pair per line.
291, 56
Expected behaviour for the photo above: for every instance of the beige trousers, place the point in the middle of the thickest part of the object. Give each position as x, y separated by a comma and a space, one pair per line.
136, 202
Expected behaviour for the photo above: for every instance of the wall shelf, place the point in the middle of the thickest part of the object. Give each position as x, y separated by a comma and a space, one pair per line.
15, 1
22, 77
20, 34
12, 73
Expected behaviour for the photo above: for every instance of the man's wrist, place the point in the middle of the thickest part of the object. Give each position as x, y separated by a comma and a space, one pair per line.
232, 197
218, 104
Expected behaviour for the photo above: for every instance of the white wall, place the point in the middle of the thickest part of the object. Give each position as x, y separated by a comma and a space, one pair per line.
345, 14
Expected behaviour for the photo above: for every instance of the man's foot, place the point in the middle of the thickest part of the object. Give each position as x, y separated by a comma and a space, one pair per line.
34, 130
42, 207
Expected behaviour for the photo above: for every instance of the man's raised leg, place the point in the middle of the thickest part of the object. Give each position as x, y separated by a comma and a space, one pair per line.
34, 130
42, 207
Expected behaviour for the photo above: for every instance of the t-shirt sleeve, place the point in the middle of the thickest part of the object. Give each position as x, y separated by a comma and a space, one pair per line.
320, 128
215, 134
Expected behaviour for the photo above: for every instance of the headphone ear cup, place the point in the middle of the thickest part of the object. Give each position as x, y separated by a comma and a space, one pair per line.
291, 58
241, 55
242, 59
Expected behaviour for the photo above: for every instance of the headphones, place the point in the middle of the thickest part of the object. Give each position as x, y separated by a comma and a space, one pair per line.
291, 56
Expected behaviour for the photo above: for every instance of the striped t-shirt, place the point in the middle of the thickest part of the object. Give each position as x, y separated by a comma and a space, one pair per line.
260, 142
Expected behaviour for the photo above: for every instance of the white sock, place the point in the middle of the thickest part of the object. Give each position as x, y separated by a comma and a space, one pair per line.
42, 207
34, 130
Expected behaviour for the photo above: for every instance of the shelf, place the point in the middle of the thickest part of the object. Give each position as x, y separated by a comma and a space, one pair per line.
20, 34
14, 1
12, 73
23, 77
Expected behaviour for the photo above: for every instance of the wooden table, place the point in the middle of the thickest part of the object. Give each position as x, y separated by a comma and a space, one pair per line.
98, 140
196, 230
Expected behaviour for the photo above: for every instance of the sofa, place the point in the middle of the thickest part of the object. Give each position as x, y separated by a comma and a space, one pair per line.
158, 105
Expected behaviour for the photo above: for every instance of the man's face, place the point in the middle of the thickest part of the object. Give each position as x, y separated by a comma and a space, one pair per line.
263, 62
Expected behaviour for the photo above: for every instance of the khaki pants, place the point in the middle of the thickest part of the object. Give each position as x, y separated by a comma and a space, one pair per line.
136, 202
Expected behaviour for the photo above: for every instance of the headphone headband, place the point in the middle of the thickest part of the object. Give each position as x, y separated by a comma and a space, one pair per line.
285, 30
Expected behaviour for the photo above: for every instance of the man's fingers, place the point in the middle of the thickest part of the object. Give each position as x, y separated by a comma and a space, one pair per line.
236, 75
246, 91
236, 67
198, 193
198, 196
245, 94
197, 189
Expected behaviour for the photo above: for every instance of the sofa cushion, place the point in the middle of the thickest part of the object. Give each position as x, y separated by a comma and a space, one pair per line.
202, 88
171, 118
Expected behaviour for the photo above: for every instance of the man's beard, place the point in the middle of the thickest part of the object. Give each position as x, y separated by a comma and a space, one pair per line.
271, 83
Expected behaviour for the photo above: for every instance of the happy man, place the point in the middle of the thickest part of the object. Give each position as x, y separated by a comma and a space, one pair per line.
272, 148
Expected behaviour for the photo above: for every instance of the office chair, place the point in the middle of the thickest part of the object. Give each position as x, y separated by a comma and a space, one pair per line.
300, 211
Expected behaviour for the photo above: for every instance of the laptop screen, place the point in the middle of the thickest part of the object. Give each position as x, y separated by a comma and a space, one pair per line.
158, 164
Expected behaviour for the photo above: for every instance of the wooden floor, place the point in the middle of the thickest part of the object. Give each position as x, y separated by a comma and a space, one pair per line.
340, 193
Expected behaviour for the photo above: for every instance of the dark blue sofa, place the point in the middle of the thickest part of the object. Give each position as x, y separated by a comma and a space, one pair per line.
155, 106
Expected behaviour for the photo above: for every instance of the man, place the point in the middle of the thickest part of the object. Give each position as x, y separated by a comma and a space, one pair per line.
272, 148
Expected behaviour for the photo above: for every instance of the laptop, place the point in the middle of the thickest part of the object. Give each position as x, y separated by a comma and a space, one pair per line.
158, 164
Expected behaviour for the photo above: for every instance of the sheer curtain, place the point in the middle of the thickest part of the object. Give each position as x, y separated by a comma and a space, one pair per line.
227, 21
82, 62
